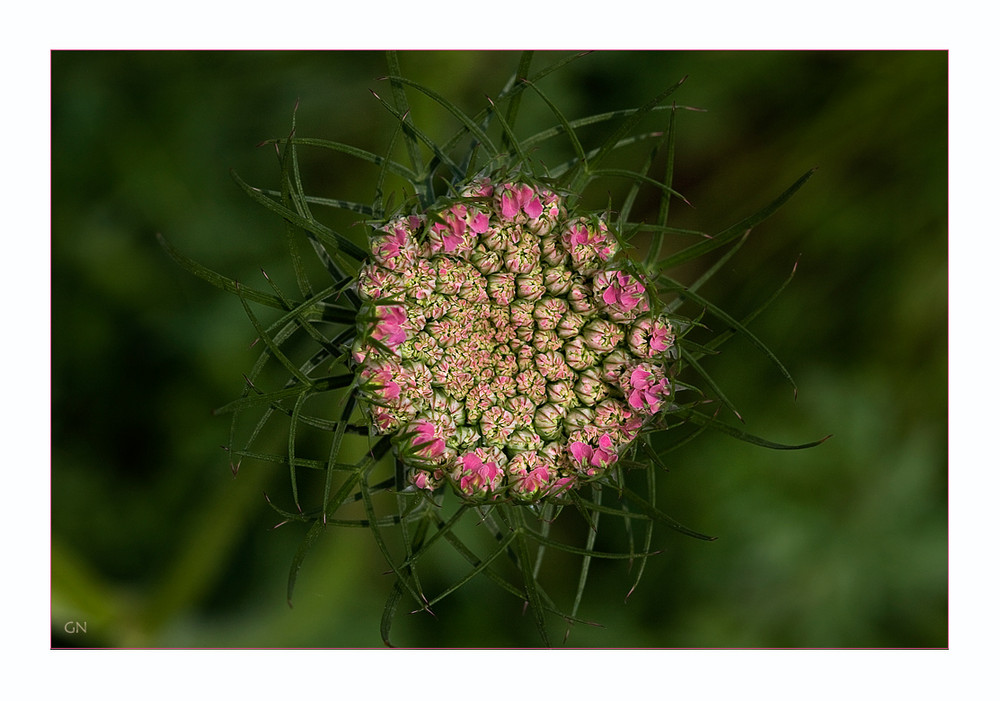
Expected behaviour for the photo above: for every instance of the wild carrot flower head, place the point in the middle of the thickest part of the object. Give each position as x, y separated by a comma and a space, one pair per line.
519, 315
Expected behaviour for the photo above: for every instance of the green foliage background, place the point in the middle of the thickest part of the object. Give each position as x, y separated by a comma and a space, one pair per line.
155, 544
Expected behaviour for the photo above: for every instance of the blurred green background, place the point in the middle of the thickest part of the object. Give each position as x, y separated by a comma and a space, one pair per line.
155, 544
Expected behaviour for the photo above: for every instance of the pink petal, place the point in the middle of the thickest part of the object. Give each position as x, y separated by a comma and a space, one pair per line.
635, 399
610, 296
489, 471
640, 378
508, 207
480, 223
581, 451
534, 208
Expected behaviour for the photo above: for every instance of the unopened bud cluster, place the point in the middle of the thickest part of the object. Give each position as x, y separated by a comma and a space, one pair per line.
503, 347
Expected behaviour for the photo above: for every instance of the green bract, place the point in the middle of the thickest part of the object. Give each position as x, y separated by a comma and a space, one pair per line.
491, 350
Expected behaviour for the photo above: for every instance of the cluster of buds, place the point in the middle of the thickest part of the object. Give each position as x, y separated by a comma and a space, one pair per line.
503, 346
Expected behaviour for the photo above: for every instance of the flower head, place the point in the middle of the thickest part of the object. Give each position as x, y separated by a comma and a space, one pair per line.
507, 352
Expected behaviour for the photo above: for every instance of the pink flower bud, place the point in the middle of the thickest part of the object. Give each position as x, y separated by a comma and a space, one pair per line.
552, 251
480, 472
548, 312
560, 486
414, 380
479, 187
602, 335
523, 260
558, 280
544, 340
570, 325
578, 418
474, 289
503, 385
523, 409
426, 479
377, 282
388, 327
589, 388
518, 203
549, 420
496, 425
447, 404
479, 399
446, 331
561, 392
522, 313
529, 475
552, 366
613, 364
422, 442
592, 460
550, 209
502, 238
487, 261
394, 246
613, 417
578, 355
530, 286
419, 280
525, 353
648, 337
623, 298
522, 439
377, 381
500, 287
645, 387
531, 384
580, 298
